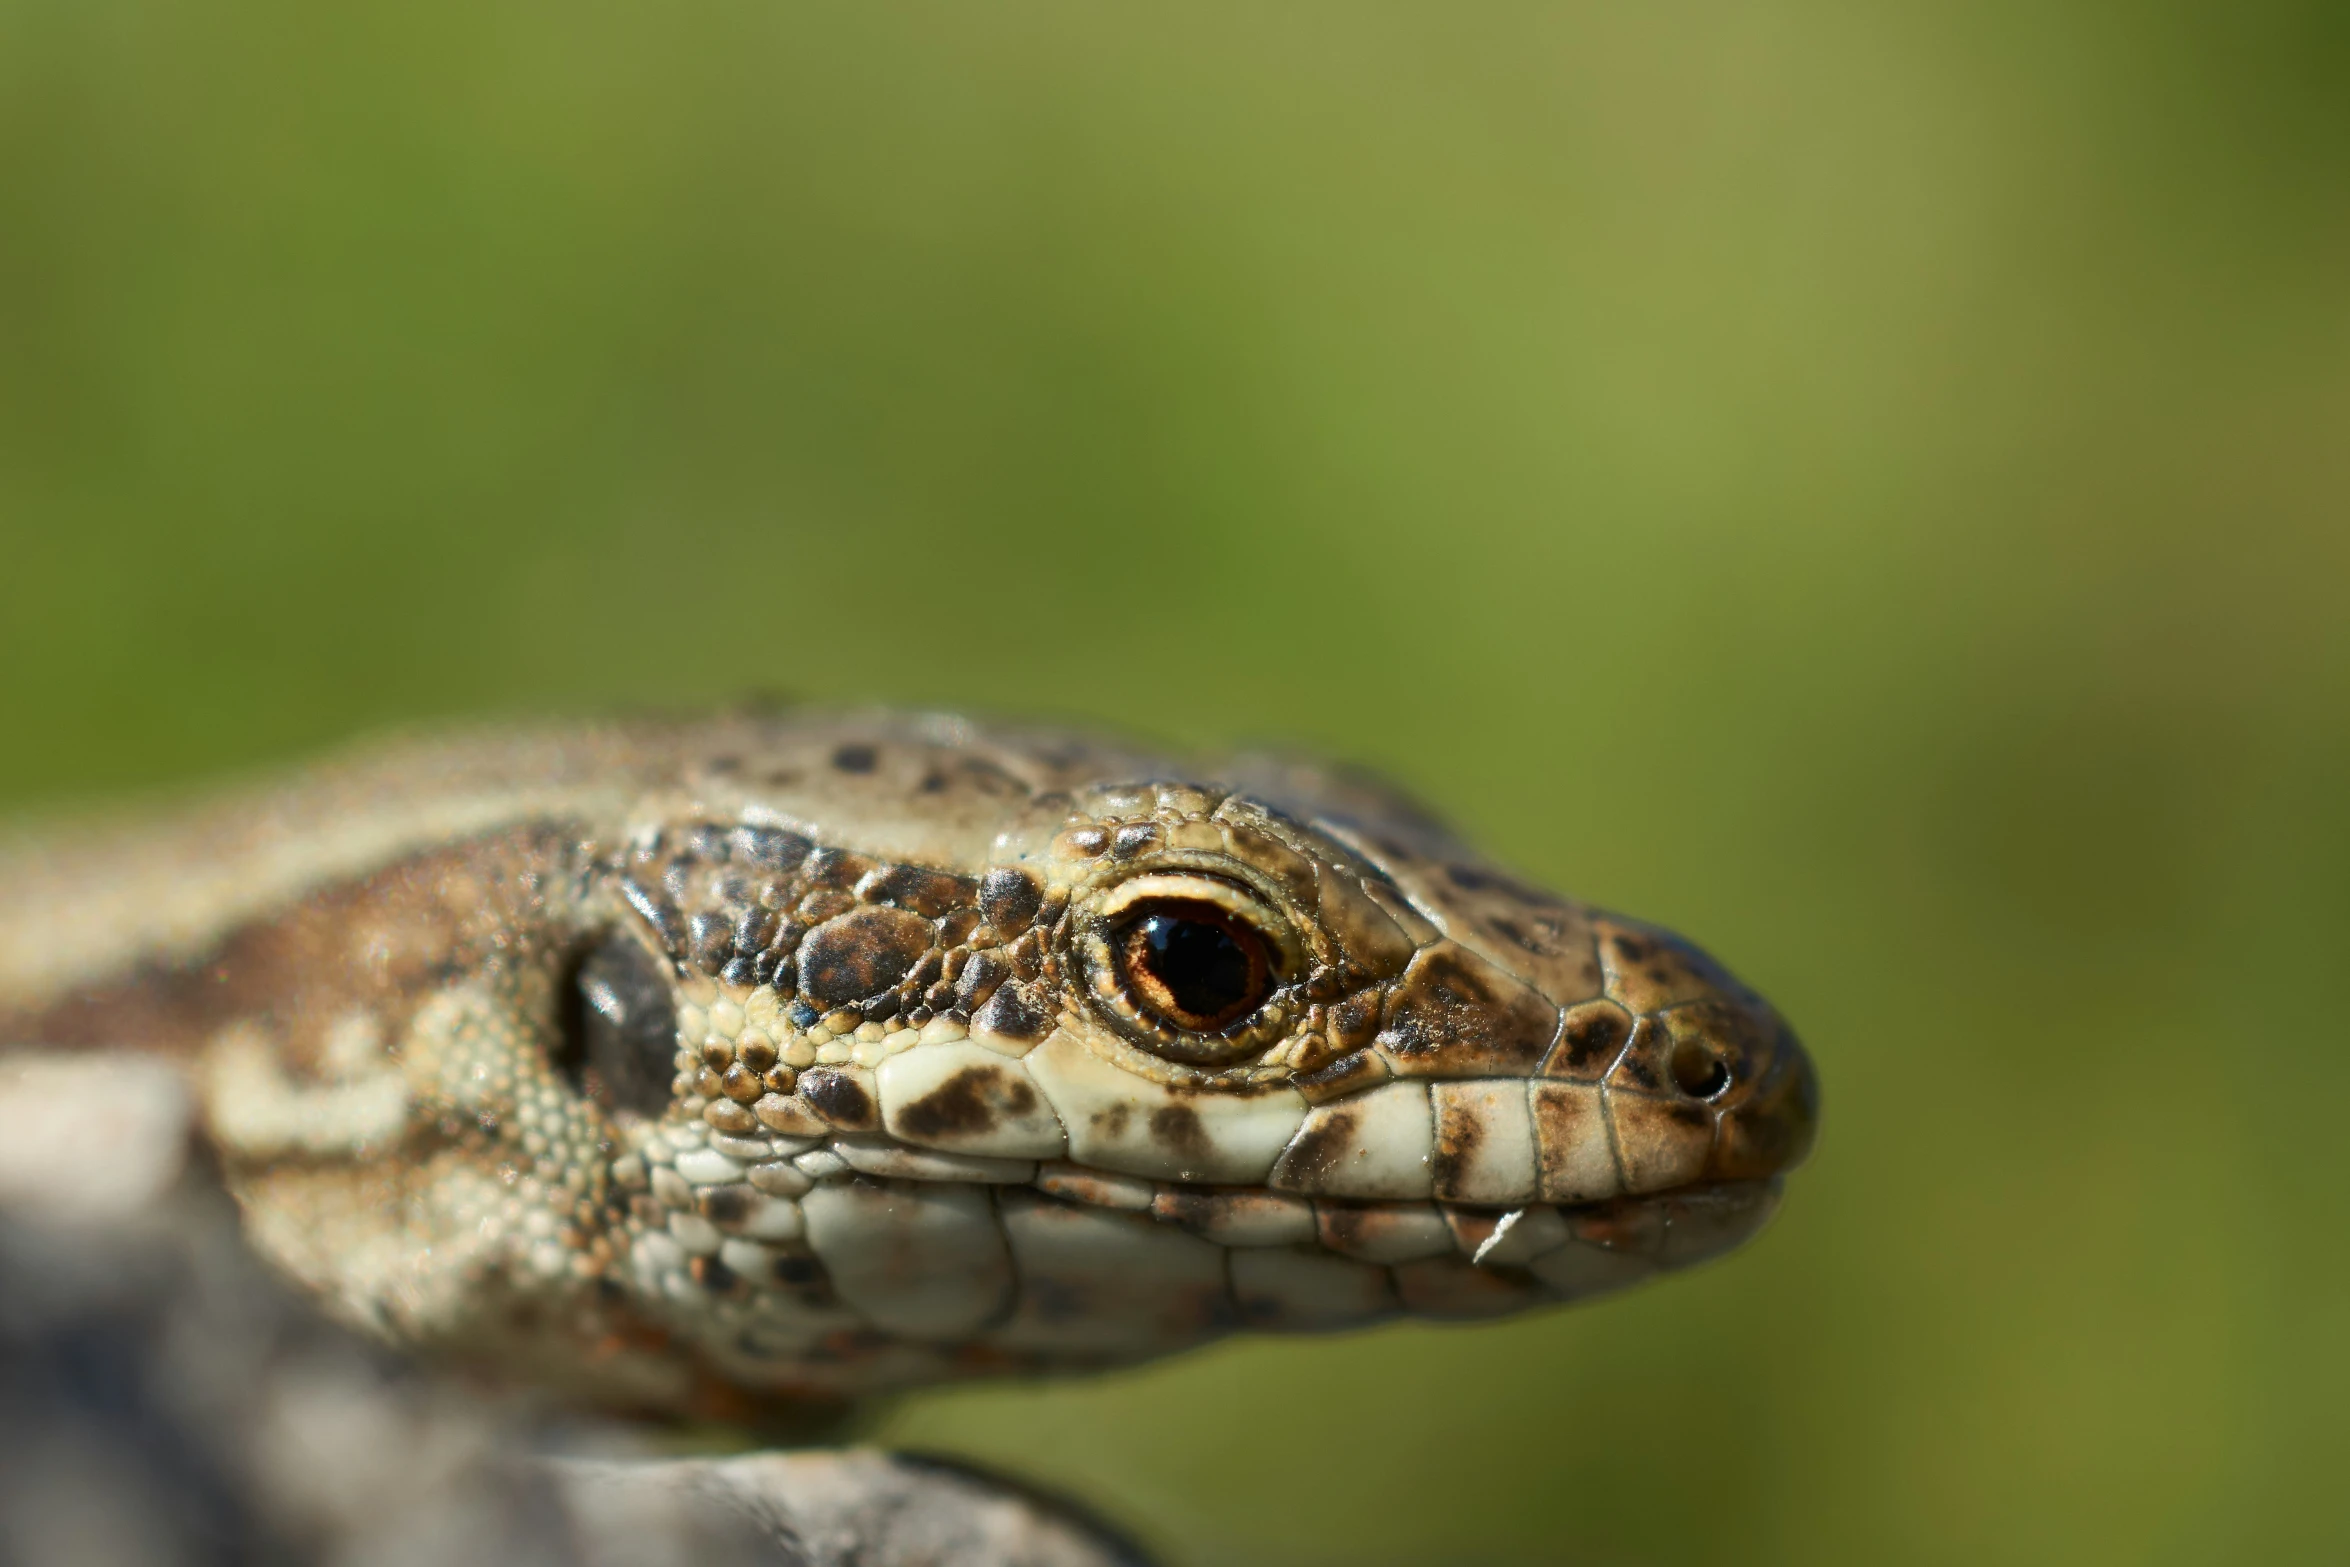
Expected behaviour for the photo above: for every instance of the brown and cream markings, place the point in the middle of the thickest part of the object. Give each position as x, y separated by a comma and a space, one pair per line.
716, 1066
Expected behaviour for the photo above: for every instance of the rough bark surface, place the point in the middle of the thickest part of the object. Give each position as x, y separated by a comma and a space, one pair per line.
165, 1401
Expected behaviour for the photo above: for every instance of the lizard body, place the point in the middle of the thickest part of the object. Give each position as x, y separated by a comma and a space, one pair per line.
730, 1066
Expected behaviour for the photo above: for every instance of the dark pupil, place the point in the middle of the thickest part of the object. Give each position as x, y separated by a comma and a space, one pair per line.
1205, 971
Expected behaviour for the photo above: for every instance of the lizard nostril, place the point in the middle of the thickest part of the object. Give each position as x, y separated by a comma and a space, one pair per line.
1697, 1070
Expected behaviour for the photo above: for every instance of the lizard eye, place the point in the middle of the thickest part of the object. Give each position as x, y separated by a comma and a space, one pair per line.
1191, 963
618, 1027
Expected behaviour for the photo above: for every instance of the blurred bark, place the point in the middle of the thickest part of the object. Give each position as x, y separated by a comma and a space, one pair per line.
165, 1401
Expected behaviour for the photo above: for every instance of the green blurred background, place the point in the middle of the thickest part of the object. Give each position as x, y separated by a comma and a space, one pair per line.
1867, 485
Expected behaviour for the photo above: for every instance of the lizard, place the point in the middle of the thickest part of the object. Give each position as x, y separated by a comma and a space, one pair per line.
741, 1068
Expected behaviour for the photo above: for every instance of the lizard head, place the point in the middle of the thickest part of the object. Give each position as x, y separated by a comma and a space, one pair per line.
1161, 1060
852, 1055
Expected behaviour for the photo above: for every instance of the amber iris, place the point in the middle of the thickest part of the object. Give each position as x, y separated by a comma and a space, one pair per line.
1192, 965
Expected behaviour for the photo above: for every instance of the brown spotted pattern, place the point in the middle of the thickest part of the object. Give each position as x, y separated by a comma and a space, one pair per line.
916, 1128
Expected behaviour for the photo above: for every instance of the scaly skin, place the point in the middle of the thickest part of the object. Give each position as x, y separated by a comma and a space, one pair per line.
729, 1067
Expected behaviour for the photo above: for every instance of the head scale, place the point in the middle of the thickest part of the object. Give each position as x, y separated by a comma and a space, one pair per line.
866, 1053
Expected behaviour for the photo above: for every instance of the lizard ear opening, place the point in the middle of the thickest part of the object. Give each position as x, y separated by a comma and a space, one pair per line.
616, 1027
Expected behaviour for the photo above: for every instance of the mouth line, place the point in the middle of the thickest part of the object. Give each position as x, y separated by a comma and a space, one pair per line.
1665, 1229
1164, 1265
1679, 1225
1683, 1191
1661, 1229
